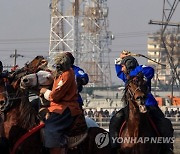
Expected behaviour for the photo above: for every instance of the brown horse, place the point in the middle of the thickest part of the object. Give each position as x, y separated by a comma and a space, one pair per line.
19, 121
137, 131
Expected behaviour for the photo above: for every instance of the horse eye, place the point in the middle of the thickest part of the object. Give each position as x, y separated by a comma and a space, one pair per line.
2, 102
25, 80
47, 78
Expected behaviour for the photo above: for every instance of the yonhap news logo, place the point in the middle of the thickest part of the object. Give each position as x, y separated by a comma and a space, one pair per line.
102, 139
143, 140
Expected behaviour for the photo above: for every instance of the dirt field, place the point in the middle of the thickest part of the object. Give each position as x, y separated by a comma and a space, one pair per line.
177, 146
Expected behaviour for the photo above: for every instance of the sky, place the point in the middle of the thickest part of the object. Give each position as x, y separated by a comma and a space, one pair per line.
25, 26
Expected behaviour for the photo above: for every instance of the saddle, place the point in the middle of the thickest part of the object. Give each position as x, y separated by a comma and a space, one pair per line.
77, 132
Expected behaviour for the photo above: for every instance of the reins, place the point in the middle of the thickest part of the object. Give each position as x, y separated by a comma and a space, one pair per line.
25, 136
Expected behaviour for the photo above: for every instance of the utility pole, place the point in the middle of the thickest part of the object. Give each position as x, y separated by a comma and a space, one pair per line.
15, 56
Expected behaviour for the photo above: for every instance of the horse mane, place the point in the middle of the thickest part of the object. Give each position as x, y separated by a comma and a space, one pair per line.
28, 117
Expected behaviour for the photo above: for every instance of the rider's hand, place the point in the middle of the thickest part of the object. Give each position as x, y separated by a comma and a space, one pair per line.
43, 90
124, 54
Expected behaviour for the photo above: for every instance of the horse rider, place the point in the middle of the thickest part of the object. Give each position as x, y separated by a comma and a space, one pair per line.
81, 77
63, 105
3, 74
125, 66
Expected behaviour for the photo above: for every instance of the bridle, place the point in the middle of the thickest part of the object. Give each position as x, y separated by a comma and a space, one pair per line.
37, 85
37, 82
133, 93
6, 103
138, 100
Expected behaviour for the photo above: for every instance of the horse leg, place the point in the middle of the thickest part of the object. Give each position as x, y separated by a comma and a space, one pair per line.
115, 125
4, 144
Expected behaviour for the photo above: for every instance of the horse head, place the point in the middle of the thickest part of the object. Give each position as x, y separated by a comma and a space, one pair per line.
136, 91
2, 90
7, 92
37, 80
38, 63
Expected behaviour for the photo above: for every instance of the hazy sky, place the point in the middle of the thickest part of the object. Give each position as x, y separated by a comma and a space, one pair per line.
25, 26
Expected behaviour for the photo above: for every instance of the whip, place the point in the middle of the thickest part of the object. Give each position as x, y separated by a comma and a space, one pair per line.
140, 55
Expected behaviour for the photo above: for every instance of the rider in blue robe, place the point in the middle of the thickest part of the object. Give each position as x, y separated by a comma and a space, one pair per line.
128, 66
81, 77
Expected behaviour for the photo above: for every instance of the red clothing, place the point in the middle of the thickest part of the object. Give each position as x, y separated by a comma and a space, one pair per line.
64, 94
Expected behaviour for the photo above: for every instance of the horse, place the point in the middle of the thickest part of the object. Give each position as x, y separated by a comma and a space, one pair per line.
94, 140
138, 129
19, 121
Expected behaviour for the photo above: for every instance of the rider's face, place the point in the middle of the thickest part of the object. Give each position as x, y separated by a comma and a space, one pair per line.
124, 69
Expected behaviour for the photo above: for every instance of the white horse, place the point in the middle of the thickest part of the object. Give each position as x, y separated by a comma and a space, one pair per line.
37, 80
45, 79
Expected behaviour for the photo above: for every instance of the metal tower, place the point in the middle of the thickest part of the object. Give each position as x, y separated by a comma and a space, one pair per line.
169, 8
169, 41
81, 27
95, 40
62, 29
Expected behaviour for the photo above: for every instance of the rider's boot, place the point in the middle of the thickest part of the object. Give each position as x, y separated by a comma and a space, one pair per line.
164, 127
114, 128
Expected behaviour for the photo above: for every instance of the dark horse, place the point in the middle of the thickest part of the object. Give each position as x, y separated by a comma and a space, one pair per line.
21, 125
17, 115
137, 132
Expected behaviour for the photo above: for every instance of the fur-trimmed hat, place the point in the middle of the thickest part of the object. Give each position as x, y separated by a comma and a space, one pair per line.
62, 62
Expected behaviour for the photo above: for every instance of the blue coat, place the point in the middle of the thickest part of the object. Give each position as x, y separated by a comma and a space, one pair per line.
148, 73
4, 74
80, 74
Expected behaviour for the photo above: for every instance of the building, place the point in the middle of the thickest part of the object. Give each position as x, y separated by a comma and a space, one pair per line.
157, 52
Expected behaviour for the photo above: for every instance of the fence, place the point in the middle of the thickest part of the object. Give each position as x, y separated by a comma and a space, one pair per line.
103, 122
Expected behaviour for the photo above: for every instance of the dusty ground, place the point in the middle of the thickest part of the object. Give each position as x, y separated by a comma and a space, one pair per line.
177, 146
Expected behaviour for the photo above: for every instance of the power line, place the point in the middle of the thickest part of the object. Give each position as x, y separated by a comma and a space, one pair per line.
32, 40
